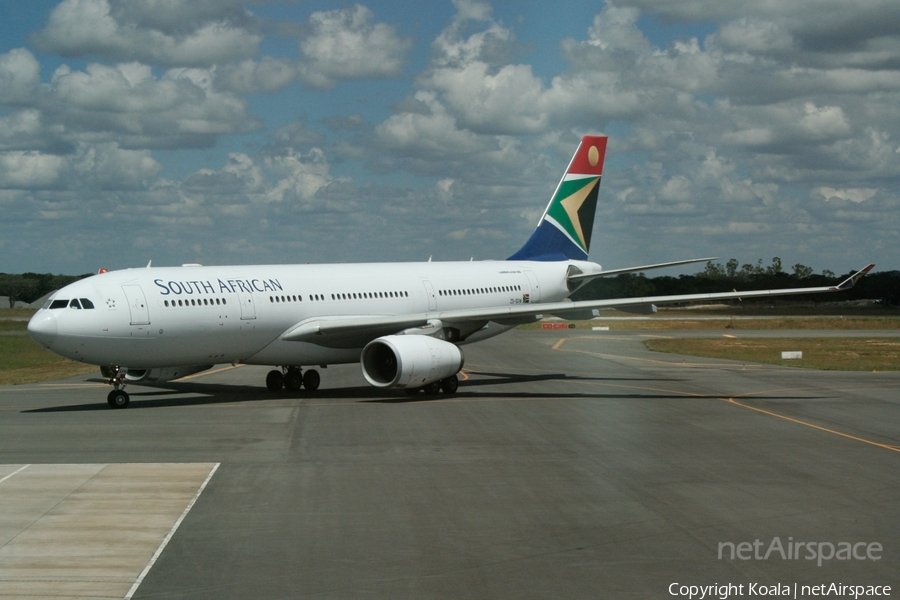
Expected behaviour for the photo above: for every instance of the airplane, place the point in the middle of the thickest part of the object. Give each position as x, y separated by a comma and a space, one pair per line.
404, 323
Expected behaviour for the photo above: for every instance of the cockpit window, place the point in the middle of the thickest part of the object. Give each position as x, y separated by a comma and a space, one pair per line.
59, 304
85, 303
75, 304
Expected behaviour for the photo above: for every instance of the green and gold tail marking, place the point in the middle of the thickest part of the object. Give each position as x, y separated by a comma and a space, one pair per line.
575, 204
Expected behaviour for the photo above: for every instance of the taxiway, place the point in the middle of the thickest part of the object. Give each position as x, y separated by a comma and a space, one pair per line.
571, 464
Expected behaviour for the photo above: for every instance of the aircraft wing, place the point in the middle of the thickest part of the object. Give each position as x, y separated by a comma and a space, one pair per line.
357, 331
351, 331
561, 308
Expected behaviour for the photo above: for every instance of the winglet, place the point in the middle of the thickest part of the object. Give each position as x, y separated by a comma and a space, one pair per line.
853, 279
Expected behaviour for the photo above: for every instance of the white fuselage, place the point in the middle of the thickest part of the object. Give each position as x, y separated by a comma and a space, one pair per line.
176, 316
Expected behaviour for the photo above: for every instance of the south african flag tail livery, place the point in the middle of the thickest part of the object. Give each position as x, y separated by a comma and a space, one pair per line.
564, 231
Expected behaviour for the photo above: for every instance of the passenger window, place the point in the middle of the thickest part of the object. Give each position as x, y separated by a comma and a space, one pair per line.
74, 304
59, 304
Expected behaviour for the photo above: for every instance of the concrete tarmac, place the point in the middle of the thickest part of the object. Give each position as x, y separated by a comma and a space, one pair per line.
571, 464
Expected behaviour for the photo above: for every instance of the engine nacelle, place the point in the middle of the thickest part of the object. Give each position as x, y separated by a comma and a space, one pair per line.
409, 361
161, 375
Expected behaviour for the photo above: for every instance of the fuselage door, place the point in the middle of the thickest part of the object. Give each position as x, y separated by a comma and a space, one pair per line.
248, 311
137, 304
429, 293
535, 287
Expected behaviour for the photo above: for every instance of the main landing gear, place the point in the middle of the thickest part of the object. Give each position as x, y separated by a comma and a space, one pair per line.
448, 385
292, 379
118, 398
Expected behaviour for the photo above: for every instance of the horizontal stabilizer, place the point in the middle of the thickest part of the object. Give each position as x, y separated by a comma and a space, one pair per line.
582, 277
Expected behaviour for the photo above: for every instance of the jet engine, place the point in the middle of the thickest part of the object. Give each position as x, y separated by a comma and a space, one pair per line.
161, 375
409, 361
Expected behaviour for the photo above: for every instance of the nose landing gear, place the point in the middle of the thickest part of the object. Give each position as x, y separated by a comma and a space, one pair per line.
118, 398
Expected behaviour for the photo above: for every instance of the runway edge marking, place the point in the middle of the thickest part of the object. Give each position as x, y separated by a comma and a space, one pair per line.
164, 543
820, 428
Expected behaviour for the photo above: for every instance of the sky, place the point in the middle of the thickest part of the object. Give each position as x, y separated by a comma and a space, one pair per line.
232, 132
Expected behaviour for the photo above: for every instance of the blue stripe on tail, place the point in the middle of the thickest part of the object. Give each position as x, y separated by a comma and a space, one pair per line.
548, 243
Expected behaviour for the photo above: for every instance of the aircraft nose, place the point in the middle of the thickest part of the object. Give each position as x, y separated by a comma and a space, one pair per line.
43, 328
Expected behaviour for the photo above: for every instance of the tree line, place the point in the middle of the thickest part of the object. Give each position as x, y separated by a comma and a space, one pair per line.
883, 286
28, 287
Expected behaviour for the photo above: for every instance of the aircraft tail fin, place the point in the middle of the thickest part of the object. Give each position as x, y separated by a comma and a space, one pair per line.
564, 231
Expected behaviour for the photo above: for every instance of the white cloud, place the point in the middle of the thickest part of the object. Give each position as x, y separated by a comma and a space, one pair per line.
31, 170
346, 43
24, 130
754, 36
781, 121
285, 175
469, 72
254, 77
785, 126
300, 176
454, 49
431, 132
19, 77
507, 101
128, 104
175, 33
855, 195
108, 167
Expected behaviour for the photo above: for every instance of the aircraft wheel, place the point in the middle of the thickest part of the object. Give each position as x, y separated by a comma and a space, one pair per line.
118, 399
433, 387
311, 380
274, 380
292, 380
450, 384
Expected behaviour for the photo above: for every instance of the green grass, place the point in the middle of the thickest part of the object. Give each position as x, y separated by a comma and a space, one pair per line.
24, 361
6, 313
835, 354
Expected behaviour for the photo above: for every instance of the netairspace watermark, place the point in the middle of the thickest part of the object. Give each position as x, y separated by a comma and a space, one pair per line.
818, 551
778, 590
